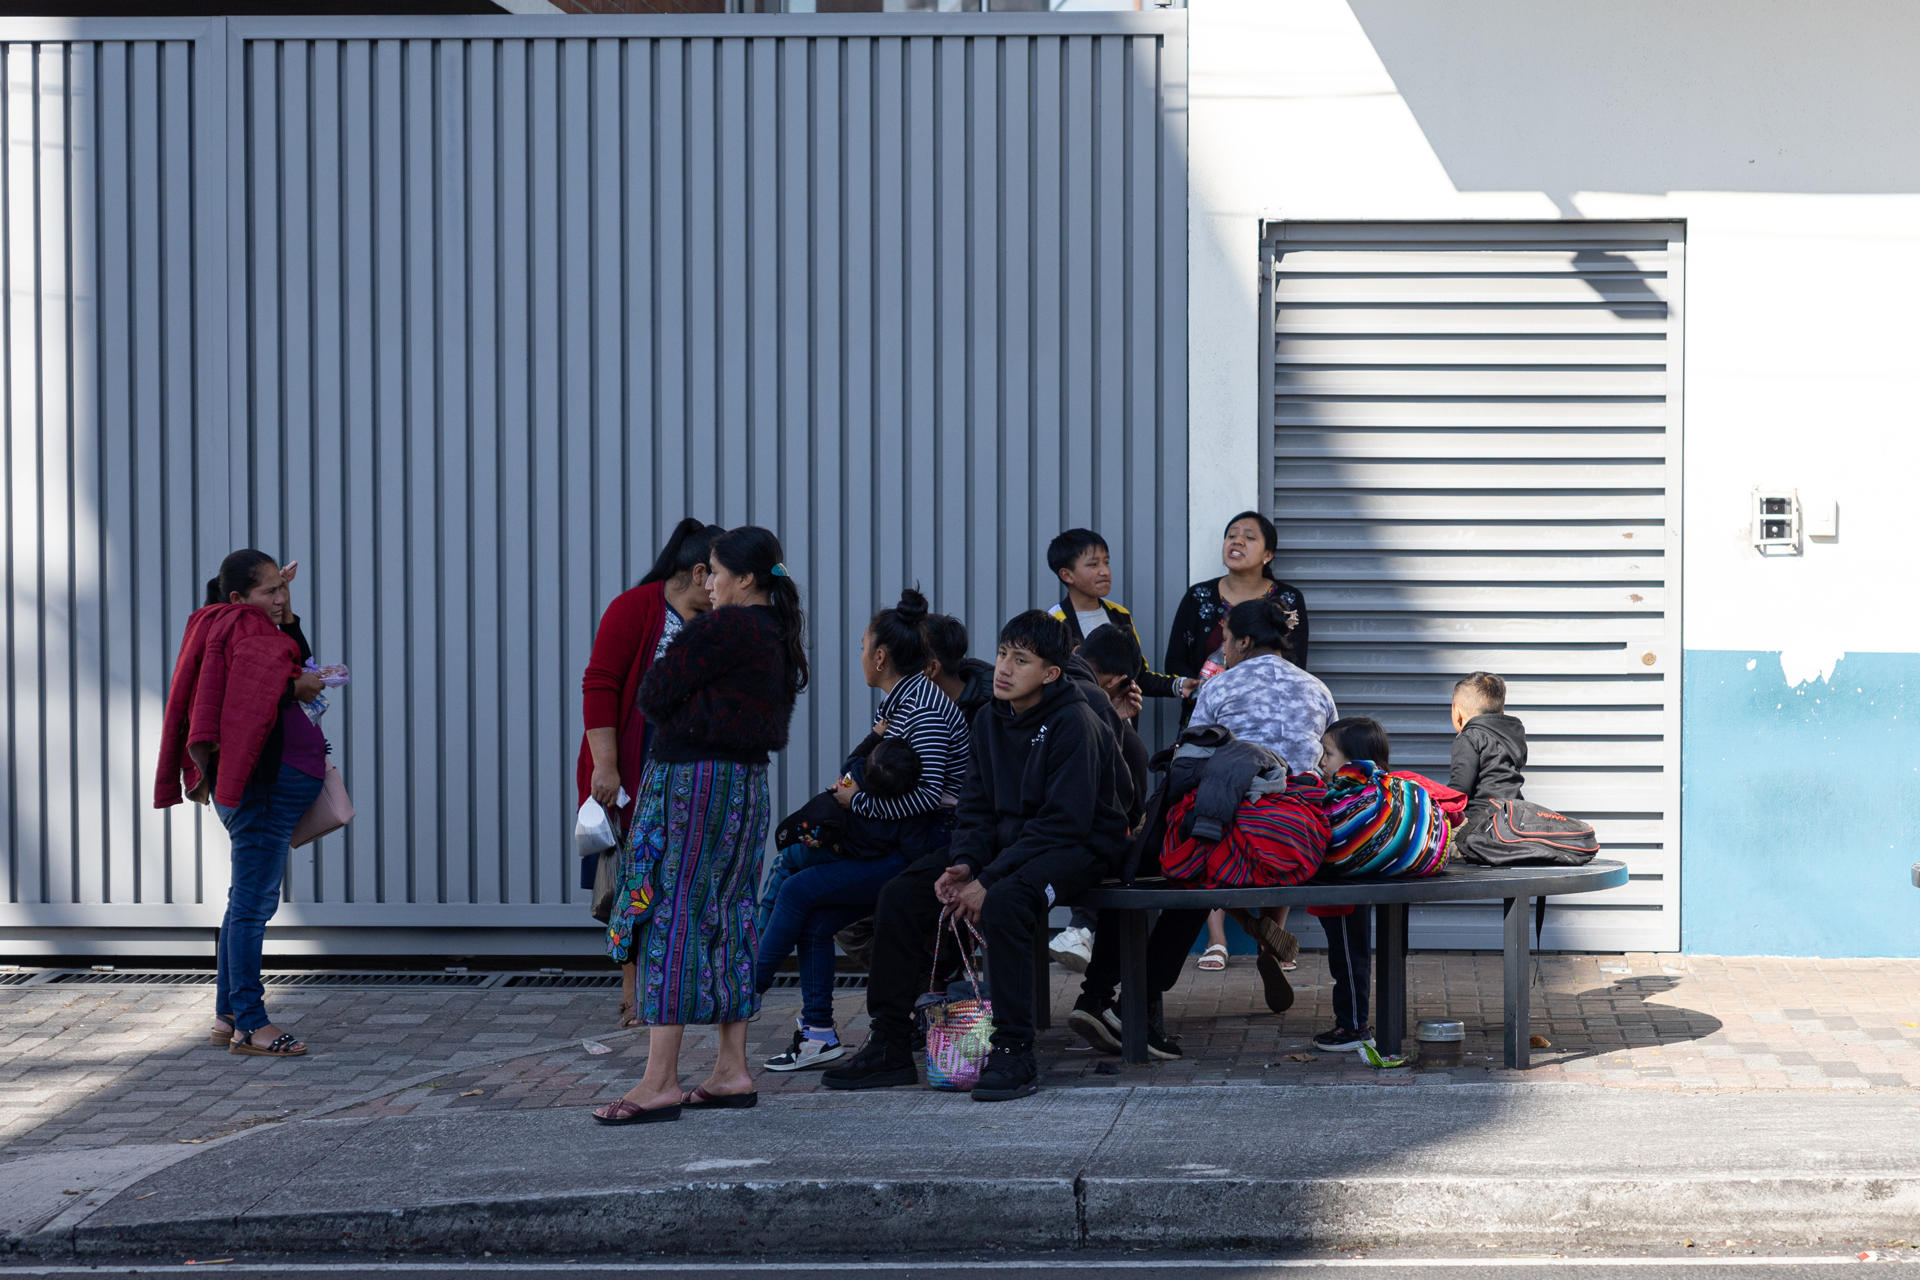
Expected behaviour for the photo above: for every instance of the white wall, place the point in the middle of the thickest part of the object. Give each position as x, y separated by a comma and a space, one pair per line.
1781, 132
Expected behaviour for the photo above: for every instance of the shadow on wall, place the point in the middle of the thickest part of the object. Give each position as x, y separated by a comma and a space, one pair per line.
1648, 96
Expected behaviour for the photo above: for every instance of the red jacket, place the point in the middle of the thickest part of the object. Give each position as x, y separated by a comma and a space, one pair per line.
610, 690
232, 671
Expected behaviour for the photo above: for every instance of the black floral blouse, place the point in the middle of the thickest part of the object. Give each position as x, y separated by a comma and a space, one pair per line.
1197, 625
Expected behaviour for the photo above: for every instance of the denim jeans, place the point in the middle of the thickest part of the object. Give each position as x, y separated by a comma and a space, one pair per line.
795, 857
259, 828
814, 904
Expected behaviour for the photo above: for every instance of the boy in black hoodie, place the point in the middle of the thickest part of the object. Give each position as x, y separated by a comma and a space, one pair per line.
1042, 816
1490, 753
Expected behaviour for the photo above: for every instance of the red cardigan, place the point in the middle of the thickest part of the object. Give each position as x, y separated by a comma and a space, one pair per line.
233, 667
610, 690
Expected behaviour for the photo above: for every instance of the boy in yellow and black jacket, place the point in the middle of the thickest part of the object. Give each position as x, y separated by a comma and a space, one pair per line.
1079, 557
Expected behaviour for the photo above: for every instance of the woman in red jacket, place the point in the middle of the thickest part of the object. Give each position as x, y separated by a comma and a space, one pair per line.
233, 734
636, 628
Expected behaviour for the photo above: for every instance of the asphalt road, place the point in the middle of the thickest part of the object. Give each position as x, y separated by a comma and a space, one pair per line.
1800, 1265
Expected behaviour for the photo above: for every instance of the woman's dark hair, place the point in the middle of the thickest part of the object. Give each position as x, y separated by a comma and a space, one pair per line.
1361, 738
686, 547
1267, 534
946, 638
1264, 623
899, 631
753, 552
238, 572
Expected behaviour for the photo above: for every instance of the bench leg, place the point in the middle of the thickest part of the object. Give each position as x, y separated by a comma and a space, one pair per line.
1134, 996
1517, 948
1389, 976
1042, 979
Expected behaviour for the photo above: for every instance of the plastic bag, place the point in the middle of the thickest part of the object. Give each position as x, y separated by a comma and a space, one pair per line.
593, 829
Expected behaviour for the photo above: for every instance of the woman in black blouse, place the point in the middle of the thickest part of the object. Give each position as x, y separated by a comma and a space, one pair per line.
1197, 624
1194, 647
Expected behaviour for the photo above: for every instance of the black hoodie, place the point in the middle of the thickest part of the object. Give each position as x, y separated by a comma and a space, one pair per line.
1490, 758
979, 687
1042, 780
1132, 793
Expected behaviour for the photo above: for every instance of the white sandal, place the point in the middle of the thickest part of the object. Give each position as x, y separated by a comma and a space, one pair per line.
1213, 959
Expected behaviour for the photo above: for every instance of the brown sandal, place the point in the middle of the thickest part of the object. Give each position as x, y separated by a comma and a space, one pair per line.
284, 1046
629, 1018
624, 1112
220, 1039
1267, 933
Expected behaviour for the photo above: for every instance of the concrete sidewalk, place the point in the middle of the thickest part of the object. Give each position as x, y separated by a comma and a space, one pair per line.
1704, 1096
1237, 1166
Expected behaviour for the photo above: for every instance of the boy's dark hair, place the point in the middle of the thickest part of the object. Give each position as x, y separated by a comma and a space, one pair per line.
1111, 651
893, 769
1361, 738
946, 639
1264, 623
1070, 546
1484, 692
1040, 634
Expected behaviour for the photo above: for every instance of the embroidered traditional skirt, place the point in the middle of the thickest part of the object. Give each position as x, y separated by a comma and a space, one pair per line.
689, 872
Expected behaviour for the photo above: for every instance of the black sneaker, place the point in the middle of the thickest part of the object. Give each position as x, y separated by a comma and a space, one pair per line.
805, 1054
880, 1064
1273, 980
1343, 1039
1100, 1028
1009, 1074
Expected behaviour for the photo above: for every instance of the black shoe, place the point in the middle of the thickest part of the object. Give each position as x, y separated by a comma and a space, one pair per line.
1009, 1074
1273, 978
1341, 1039
881, 1064
1159, 1044
1099, 1028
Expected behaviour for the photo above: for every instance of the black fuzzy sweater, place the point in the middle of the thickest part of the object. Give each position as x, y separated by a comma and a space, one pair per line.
720, 691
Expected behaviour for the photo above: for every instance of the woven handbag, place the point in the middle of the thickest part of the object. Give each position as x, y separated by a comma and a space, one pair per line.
959, 1032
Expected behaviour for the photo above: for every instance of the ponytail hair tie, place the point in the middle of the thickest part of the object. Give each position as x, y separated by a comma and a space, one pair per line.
780, 571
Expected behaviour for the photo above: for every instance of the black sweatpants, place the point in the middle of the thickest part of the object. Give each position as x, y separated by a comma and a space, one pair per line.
1351, 964
1015, 912
1168, 943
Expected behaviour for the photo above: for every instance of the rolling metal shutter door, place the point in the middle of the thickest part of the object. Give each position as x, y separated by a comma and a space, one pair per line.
1476, 466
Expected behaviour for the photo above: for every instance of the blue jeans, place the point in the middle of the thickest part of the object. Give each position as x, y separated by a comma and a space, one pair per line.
259, 828
814, 904
795, 857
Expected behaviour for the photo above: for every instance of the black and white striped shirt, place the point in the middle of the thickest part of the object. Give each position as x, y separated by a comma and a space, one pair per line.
917, 711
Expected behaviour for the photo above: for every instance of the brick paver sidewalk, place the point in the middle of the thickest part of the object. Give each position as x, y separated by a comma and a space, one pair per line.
101, 1066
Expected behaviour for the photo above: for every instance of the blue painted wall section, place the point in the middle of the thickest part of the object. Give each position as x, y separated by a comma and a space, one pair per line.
1800, 808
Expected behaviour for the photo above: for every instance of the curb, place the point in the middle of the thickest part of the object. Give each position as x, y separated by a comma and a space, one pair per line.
720, 1219
66, 1223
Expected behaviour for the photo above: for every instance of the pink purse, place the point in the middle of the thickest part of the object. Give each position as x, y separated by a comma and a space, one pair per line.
330, 811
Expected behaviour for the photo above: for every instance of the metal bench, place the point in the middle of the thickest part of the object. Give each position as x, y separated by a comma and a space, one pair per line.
1517, 887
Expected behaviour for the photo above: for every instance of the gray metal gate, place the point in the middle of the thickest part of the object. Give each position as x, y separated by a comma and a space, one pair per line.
464, 315
1476, 465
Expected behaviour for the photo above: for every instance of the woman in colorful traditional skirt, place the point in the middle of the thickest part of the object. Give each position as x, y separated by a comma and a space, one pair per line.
719, 701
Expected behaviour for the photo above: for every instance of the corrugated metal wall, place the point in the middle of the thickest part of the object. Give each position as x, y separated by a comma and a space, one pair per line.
498, 309
1476, 444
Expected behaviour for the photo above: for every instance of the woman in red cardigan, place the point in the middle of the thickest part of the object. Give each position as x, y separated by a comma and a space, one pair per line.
636, 628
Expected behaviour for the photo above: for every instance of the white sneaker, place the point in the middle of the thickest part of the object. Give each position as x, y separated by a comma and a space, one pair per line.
806, 1054
1072, 948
